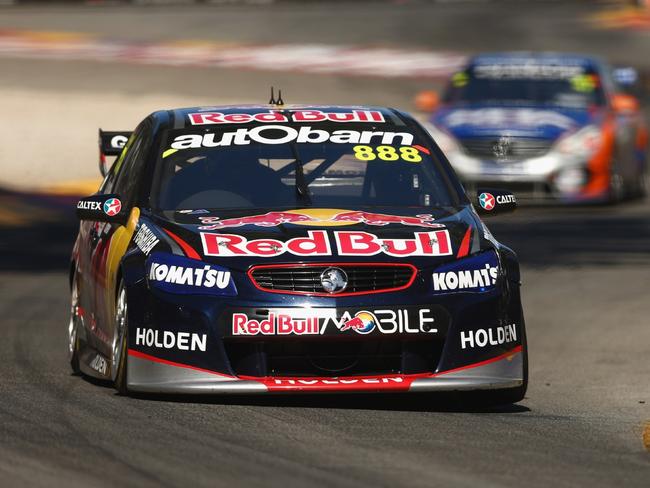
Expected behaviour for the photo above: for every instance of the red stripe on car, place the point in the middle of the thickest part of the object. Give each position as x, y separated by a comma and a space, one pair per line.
464, 245
187, 249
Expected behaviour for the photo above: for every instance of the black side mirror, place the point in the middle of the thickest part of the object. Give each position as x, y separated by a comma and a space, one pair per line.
102, 208
492, 202
111, 143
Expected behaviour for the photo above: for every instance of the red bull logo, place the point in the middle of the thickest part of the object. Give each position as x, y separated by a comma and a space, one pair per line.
330, 321
321, 217
317, 243
368, 218
269, 219
363, 323
280, 324
208, 118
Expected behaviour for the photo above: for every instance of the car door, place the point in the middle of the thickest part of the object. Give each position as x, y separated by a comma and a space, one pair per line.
108, 241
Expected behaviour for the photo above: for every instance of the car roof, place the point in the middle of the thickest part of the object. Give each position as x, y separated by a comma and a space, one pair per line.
179, 118
523, 57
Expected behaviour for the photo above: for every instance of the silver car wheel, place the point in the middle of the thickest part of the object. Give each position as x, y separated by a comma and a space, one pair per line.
120, 328
72, 326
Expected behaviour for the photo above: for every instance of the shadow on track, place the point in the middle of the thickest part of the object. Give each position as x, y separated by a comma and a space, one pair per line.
555, 236
409, 402
406, 402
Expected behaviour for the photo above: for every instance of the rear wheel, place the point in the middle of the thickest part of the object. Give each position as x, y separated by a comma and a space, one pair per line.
119, 369
73, 328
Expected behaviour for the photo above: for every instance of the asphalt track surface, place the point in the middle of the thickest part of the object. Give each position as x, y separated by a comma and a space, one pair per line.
586, 281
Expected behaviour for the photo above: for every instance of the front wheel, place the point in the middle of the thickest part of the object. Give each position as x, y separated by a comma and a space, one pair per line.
73, 328
617, 190
119, 368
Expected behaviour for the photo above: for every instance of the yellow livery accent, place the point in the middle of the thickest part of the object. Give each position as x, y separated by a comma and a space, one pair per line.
169, 152
116, 250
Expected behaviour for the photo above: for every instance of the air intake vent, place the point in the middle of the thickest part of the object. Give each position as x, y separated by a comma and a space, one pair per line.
506, 148
306, 279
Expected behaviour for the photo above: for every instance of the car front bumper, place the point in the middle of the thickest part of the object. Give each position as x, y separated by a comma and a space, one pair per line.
551, 177
149, 374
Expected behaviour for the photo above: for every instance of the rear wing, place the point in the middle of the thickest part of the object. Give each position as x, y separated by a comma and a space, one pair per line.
111, 143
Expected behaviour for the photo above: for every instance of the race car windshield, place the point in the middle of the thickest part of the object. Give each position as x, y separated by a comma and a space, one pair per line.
257, 166
527, 84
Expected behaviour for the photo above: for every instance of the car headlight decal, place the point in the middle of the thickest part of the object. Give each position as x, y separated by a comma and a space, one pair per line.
181, 275
477, 274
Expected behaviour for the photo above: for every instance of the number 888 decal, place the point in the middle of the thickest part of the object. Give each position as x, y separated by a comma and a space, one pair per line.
387, 153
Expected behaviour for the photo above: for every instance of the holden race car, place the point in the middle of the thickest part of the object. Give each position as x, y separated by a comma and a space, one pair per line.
268, 249
551, 127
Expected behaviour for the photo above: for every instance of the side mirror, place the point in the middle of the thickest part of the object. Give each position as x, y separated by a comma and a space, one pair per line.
102, 208
624, 104
427, 101
110, 144
493, 202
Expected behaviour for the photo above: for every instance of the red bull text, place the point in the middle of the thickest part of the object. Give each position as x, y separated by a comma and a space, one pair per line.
317, 243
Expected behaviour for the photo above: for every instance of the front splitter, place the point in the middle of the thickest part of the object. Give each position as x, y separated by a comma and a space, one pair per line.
153, 375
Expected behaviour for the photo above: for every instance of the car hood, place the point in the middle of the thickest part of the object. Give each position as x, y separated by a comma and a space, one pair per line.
541, 122
240, 238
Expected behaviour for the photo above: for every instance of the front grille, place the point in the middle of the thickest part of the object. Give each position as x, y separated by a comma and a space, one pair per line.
306, 279
332, 358
506, 148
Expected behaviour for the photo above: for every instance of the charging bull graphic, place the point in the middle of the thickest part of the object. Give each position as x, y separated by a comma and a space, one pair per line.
269, 219
305, 217
360, 217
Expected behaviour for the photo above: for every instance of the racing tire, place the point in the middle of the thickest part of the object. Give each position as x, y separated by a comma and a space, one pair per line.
73, 328
119, 363
617, 186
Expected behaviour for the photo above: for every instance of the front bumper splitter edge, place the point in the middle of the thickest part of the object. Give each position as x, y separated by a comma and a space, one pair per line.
148, 375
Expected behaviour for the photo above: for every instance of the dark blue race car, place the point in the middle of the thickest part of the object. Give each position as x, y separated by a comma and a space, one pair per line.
272, 248
551, 127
